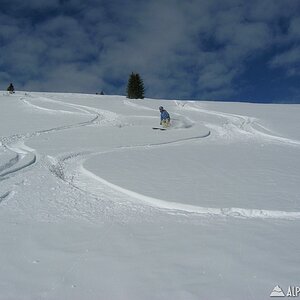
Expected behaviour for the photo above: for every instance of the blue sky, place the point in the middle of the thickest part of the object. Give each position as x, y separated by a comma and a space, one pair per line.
233, 50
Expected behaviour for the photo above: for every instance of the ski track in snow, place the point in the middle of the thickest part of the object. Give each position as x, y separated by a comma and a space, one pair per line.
241, 126
5, 196
180, 122
138, 106
25, 156
175, 207
89, 182
84, 176
9, 163
70, 166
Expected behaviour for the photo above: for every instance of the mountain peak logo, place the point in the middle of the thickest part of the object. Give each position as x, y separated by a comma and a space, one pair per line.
277, 292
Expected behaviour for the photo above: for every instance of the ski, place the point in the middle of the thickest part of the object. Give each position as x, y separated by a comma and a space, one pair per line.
159, 128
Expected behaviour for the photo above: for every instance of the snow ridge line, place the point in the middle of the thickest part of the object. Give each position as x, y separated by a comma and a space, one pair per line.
175, 207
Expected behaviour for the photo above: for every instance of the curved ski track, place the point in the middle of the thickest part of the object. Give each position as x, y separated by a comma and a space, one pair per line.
239, 125
84, 176
5, 196
23, 155
179, 208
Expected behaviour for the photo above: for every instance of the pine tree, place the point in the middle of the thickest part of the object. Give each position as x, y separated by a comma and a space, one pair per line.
135, 87
11, 88
130, 87
140, 85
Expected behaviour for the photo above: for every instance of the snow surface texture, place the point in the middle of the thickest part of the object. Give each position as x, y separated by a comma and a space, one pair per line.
95, 204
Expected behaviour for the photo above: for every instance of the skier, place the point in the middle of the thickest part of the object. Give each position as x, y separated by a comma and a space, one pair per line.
164, 117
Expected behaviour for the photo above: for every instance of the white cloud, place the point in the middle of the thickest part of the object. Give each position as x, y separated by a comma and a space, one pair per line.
288, 60
289, 57
181, 48
294, 29
216, 76
70, 77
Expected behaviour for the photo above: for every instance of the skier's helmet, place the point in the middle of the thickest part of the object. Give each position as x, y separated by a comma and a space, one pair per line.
161, 108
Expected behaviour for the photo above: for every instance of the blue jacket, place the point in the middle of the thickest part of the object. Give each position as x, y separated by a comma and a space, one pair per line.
164, 115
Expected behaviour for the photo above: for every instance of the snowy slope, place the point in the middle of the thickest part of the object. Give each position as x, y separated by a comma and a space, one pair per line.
94, 204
